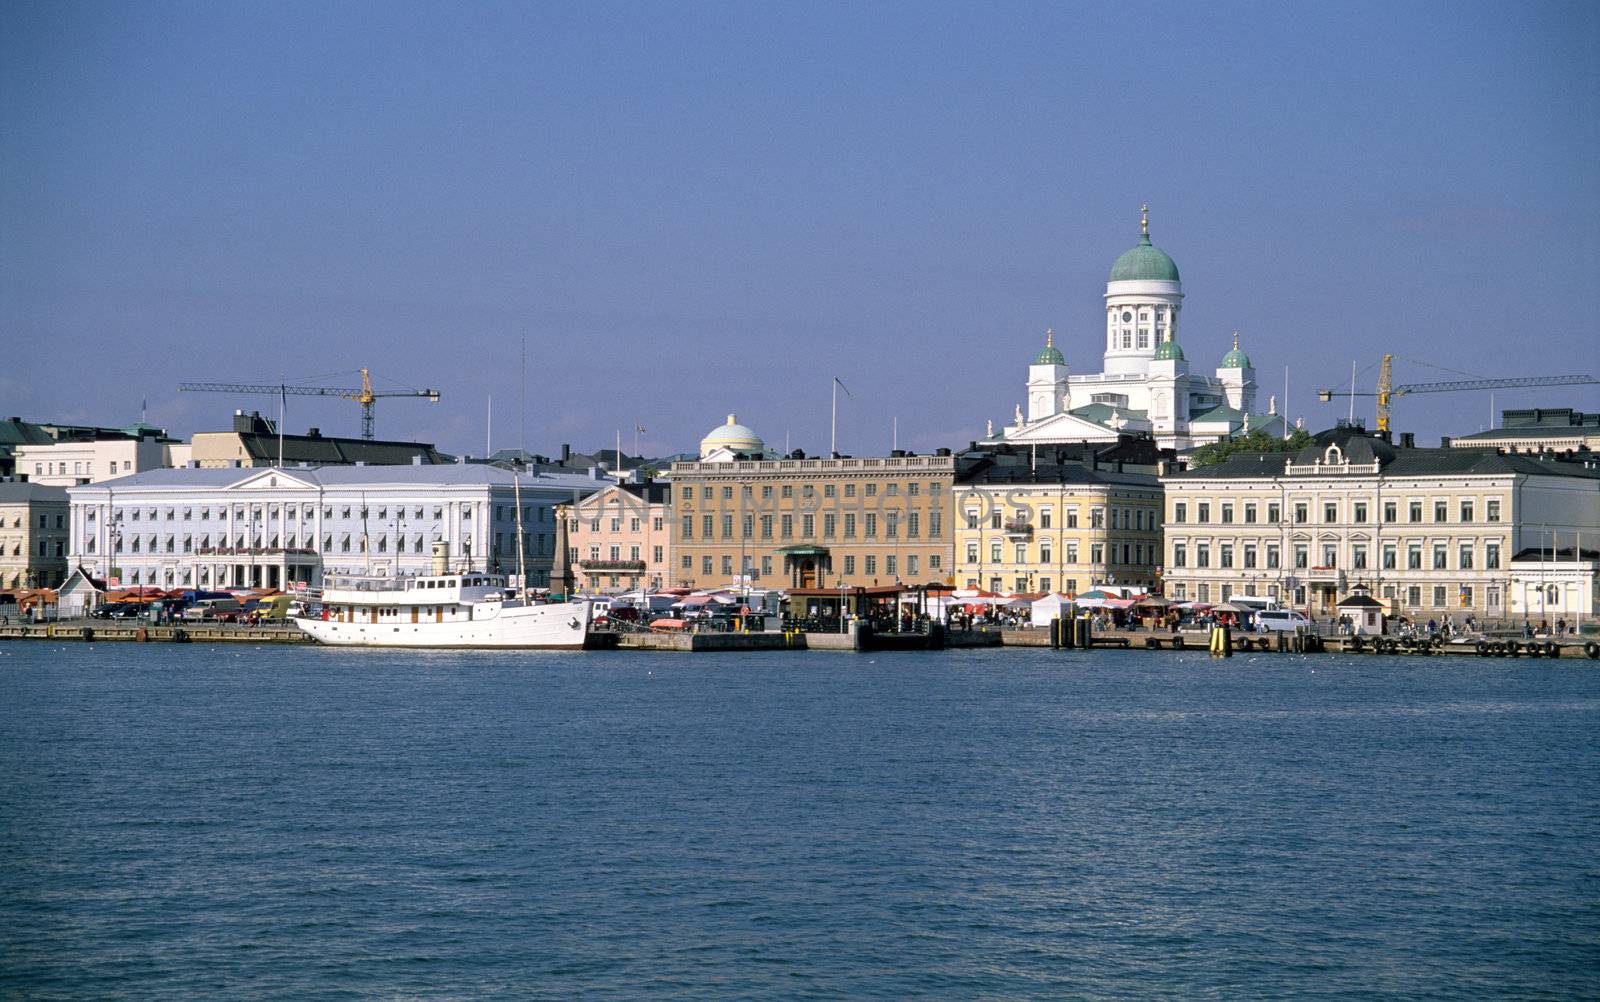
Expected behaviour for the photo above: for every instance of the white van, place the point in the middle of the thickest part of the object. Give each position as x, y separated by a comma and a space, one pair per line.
1281, 620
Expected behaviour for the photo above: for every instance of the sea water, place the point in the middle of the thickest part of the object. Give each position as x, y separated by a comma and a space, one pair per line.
190, 821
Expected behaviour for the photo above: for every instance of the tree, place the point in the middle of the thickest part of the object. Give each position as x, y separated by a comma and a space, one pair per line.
1255, 442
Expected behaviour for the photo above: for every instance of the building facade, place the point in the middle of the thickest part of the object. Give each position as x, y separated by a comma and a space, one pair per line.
1428, 531
33, 535
88, 455
615, 540
1146, 385
1056, 528
254, 441
276, 528
1551, 583
1538, 429
812, 523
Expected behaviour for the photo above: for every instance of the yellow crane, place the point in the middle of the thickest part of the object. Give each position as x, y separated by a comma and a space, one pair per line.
1387, 391
364, 395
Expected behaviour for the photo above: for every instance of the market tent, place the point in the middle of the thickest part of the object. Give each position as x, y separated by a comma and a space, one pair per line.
1050, 607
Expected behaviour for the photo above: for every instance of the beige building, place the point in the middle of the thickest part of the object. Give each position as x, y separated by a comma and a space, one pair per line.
617, 539
33, 535
811, 523
254, 441
1538, 429
1056, 528
1429, 531
86, 456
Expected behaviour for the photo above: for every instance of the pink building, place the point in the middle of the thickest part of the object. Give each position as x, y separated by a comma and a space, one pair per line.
617, 539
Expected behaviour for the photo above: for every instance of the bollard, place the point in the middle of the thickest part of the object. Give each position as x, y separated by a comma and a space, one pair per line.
1055, 632
1069, 632
1221, 642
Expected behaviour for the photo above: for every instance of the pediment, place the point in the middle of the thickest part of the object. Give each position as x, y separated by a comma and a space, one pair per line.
271, 480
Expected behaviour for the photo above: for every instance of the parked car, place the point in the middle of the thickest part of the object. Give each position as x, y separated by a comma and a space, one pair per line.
109, 610
1280, 620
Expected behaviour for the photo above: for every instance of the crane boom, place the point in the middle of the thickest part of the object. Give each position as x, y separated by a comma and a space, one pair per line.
363, 394
1387, 391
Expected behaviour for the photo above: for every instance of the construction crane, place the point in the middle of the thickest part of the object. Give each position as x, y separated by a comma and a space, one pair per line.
1387, 391
365, 395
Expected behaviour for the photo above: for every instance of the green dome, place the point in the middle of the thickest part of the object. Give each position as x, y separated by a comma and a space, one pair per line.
1051, 355
1235, 359
1145, 263
1168, 351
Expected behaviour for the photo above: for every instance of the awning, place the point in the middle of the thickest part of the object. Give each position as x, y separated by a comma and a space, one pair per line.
803, 550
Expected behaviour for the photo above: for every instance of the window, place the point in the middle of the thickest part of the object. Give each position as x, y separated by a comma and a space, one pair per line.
1180, 555
1044, 518
872, 525
1414, 557
786, 526
1249, 556
808, 525
1301, 511
994, 551
849, 525
1249, 514
1414, 511
688, 562
1358, 512
1491, 510
1466, 510
1414, 596
1273, 555
1225, 555
1045, 552
705, 561
688, 527
1358, 557
1274, 513
766, 526
1330, 555
1464, 557
1202, 555
830, 490
1491, 556
727, 527
1202, 512
1438, 596
1072, 553
1391, 511
1441, 511
1097, 553
913, 525
1097, 518
1072, 518
1389, 557
1439, 556
870, 562
972, 518
994, 520
1227, 513
727, 565
708, 525
1020, 553
850, 565
829, 524
972, 552
1301, 556
1330, 511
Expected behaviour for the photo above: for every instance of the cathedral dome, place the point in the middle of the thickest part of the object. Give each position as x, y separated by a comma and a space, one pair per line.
1146, 262
1168, 351
1235, 359
1050, 355
732, 436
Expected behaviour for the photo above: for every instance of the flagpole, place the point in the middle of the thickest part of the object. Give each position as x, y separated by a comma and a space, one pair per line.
283, 399
833, 435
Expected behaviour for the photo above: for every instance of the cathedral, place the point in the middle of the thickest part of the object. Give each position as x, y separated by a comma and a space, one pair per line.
1146, 386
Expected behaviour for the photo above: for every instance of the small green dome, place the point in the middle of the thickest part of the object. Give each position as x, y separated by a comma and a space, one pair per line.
1168, 351
1051, 355
1145, 263
1235, 359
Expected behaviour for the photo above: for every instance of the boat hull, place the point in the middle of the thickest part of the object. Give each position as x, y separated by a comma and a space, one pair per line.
561, 626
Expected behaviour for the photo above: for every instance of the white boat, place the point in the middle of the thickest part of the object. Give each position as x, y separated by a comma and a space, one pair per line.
442, 611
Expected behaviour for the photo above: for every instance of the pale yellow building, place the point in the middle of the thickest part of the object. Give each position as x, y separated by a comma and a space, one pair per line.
1056, 528
617, 539
34, 532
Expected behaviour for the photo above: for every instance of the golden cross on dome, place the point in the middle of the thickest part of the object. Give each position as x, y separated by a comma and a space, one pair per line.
1049, 337
1235, 340
1144, 219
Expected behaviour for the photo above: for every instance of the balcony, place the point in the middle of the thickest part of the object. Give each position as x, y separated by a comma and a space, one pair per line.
1018, 529
1328, 574
630, 566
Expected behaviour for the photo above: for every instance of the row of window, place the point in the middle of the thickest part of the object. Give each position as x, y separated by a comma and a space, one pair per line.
1138, 519
1134, 554
1269, 556
657, 524
869, 564
1466, 511
270, 513
707, 493
831, 525
614, 552
82, 468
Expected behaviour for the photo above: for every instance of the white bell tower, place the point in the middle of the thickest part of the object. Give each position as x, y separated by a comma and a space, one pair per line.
1047, 382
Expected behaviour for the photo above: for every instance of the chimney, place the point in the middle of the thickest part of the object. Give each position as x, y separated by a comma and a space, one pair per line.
566, 451
441, 557
313, 433
361, 462
1444, 441
1408, 440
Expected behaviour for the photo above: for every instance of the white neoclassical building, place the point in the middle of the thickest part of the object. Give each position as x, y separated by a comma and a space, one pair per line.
278, 526
1145, 384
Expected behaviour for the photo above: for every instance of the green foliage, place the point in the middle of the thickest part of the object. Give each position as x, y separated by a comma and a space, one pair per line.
1256, 441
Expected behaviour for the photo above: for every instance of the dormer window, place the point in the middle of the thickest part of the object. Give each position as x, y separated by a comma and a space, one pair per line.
1332, 457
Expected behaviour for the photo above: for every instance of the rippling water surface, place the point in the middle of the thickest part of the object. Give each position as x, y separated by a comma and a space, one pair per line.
192, 821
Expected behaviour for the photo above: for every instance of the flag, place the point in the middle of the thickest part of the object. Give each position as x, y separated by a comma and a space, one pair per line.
639, 428
843, 387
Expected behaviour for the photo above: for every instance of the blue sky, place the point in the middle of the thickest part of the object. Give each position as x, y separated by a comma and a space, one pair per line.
695, 209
